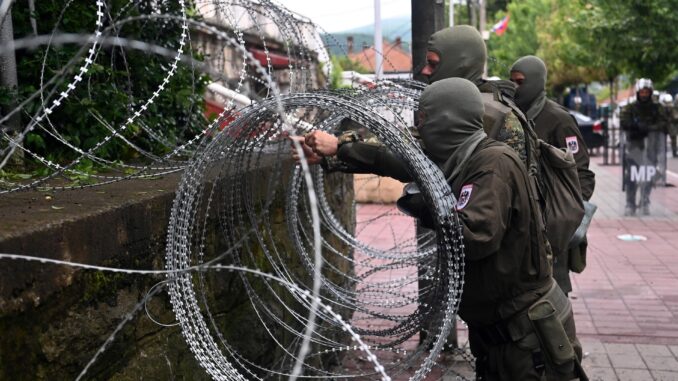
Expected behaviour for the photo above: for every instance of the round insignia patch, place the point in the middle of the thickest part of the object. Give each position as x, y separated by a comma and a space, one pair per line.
464, 196
572, 143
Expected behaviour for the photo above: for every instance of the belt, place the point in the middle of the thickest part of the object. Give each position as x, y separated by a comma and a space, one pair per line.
519, 326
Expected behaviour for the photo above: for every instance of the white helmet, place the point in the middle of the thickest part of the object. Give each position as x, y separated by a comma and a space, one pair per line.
644, 83
666, 99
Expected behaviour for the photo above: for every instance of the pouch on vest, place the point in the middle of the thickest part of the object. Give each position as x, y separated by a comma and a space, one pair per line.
563, 207
552, 336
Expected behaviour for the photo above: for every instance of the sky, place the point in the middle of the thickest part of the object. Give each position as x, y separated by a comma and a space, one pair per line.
337, 16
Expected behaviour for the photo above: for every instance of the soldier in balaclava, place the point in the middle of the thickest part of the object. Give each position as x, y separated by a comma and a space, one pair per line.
553, 124
453, 52
508, 292
645, 126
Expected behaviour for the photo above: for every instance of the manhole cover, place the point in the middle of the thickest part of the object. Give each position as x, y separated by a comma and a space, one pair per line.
632, 237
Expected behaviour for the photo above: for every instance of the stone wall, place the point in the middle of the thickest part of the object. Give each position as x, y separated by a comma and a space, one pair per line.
54, 318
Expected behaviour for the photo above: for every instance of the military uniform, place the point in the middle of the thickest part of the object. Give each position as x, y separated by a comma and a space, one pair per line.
554, 125
645, 126
673, 126
508, 290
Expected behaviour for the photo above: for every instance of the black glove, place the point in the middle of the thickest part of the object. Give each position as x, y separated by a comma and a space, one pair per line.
412, 203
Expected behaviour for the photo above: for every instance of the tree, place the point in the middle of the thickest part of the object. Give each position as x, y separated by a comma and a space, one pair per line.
563, 46
115, 86
634, 36
521, 37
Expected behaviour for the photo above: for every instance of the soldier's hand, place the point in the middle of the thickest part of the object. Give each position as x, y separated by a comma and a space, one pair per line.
311, 157
322, 143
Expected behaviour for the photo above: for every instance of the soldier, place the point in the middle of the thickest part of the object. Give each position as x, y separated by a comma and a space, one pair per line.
671, 107
521, 325
553, 124
453, 52
645, 126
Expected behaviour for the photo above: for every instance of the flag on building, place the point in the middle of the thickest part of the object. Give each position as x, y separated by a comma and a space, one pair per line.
500, 27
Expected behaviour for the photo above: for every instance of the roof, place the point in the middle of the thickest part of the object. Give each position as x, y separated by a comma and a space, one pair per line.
396, 60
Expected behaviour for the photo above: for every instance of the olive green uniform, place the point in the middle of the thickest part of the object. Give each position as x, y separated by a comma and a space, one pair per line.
507, 269
554, 125
521, 325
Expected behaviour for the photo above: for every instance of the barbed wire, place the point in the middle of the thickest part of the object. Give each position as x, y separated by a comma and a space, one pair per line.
310, 275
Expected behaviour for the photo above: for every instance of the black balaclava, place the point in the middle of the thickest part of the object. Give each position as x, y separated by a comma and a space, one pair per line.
453, 123
531, 95
462, 53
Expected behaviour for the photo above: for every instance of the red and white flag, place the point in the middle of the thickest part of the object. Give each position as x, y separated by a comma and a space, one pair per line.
500, 27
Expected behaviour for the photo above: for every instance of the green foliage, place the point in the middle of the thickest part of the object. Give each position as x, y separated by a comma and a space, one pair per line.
637, 37
347, 64
590, 40
335, 75
339, 65
569, 60
520, 38
116, 85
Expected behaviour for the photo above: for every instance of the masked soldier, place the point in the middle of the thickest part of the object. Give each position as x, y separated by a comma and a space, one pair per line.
521, 325
645, 126
453, 52
553, 124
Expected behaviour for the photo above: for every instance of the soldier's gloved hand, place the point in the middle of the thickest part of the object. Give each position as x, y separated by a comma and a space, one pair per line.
412, 203
311, 157
322, 143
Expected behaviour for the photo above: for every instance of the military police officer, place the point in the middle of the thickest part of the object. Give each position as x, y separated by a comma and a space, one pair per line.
645, 126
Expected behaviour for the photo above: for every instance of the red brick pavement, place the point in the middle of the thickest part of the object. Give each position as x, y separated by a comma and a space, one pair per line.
629, 290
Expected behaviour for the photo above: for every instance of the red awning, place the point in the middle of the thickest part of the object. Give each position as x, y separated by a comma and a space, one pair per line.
278, 61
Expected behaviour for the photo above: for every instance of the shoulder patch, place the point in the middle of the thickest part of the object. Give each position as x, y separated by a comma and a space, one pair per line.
572, 143
464, 196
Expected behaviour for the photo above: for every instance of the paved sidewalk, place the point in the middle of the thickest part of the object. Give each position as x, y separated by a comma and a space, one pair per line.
626, 301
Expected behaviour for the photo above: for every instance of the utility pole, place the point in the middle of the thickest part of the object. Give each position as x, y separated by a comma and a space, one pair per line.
8, 74
483, 18
378, 43
451, 13
472, 12
428, 17
483, 27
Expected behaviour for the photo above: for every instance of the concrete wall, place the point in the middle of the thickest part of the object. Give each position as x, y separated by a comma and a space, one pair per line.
54, 318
